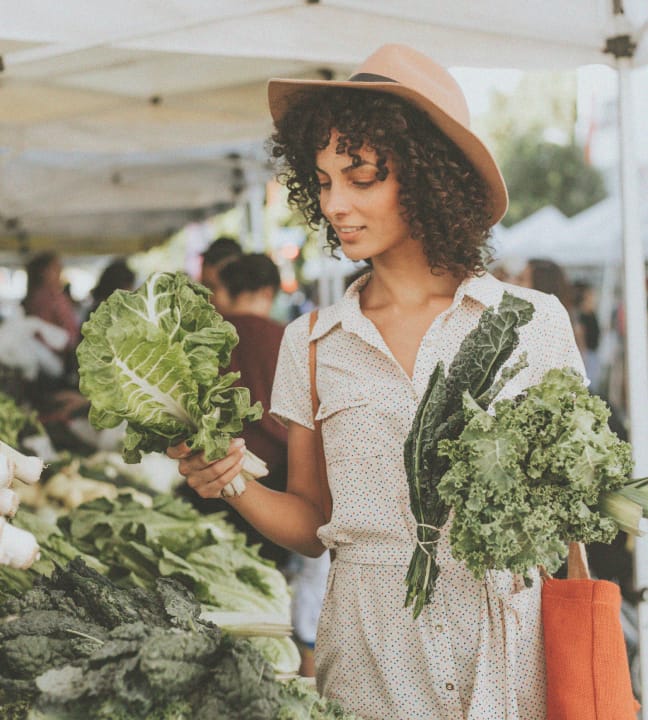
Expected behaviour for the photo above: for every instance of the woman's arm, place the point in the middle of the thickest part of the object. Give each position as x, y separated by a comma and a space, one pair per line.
290, 518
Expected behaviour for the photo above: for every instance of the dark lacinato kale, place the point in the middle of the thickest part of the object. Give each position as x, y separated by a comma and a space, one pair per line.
440, 416
78, 648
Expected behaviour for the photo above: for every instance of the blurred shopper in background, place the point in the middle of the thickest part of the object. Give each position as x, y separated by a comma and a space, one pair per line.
585, 311
548, 277
115, 276
46, 298
222, 251
245, 294
249, 287
55, 398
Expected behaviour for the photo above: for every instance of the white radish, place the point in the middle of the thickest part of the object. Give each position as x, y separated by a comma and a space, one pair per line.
9, 502
18, 548
27, 468
7, 469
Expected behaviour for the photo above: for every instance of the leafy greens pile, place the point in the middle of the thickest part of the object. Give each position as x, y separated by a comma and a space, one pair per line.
152, 358
532, 476
440, 416
134, 546
16, 422
78, 646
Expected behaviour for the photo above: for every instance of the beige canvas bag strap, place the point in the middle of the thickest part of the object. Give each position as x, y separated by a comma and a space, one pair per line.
325, 492
577, 568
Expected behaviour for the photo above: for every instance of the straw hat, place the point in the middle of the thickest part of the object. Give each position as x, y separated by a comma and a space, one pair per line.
402, 71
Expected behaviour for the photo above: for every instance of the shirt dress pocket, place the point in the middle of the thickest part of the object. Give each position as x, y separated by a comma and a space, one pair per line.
344, 421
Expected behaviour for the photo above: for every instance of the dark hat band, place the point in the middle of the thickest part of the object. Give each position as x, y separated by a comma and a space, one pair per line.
370, 77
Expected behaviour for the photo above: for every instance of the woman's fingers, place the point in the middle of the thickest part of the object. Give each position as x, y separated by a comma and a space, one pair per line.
209, 478
208, 486
179, 451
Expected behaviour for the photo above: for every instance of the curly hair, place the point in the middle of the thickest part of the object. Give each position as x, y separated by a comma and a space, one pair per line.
443, 198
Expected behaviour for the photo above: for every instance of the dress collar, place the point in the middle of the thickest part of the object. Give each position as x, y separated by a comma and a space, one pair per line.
485, 289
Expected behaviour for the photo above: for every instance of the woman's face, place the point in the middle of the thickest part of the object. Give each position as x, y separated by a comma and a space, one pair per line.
52, 274
365, 212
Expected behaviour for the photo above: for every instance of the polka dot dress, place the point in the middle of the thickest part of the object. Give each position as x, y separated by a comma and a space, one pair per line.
475, 653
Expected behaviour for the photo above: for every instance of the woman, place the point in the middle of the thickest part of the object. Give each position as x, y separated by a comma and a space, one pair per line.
115, 276
388, 162
46, 297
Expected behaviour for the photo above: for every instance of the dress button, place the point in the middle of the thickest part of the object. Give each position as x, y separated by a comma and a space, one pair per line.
438, 628
449, 686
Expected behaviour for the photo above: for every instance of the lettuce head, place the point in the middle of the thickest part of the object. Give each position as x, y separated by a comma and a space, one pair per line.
154, 358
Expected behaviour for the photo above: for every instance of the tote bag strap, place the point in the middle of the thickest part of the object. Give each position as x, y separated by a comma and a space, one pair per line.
577, 568
326, 501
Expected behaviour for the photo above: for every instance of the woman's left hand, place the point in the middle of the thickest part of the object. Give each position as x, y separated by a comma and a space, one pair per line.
208, 478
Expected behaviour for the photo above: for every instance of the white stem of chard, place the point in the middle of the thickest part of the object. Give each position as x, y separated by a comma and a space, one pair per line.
626, 513
27, 468
253, 468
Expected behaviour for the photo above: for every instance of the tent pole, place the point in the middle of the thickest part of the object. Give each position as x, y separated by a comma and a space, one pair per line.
636, 337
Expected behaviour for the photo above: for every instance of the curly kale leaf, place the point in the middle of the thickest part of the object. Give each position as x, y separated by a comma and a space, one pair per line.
528, 479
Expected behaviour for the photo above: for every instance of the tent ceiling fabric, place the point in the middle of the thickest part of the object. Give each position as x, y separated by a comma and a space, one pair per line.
159, 93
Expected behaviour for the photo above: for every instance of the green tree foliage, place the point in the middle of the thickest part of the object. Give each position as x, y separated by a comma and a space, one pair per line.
531, 132
540, 173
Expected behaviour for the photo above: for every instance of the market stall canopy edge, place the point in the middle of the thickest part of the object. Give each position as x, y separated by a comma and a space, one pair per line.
120, 120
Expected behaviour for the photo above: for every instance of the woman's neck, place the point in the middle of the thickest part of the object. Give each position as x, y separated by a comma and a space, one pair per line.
406, 282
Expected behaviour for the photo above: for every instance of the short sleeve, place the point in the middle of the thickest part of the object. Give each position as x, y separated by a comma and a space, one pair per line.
291, 398
564, 351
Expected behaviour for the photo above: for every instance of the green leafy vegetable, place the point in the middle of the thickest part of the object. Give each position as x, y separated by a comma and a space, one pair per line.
440, 416
78, 646
532, 476
135, 545
152, 358
16, 422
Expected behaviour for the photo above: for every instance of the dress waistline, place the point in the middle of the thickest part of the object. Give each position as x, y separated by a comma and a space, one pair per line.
373, 555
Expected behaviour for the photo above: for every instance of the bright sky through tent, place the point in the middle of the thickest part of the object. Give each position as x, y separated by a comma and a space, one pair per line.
597, 87
479, 83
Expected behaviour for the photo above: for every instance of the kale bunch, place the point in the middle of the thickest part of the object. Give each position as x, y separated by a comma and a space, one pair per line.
440, 416
78, 646
529, 478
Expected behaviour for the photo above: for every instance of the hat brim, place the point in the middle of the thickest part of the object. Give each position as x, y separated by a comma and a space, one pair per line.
282, 93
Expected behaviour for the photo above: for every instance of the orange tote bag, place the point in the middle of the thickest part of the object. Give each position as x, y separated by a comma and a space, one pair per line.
588, 677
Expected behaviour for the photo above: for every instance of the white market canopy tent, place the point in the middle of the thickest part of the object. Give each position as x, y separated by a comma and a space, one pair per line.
120, 121
592, 238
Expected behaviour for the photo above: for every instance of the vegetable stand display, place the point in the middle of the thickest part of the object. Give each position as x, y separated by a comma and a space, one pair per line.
159, 593
133, 605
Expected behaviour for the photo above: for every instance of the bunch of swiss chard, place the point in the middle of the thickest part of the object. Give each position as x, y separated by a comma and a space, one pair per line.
538, 471
153, 358
440, 416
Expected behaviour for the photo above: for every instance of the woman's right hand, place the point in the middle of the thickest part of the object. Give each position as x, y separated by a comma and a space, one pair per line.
208, 478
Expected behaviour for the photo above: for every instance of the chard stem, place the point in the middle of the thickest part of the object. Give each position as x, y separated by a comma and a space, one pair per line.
84, 635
